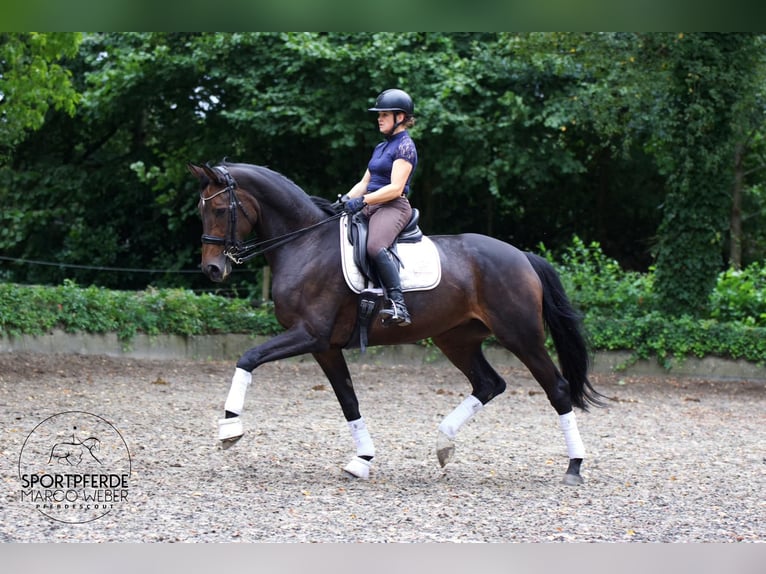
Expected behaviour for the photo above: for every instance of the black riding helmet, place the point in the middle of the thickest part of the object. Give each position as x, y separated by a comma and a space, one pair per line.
394, 100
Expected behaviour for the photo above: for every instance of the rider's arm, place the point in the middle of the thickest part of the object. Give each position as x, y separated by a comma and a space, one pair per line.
400, 171
361, 187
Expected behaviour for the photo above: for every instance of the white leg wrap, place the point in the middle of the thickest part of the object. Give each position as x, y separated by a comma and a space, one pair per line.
239, 384
462, 413
359, 468
362, 438
230, 430
568, 424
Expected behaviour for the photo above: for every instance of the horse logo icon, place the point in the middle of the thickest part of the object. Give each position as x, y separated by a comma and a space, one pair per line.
72, 451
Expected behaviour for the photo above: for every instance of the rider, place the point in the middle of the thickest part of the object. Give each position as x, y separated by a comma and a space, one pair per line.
381, 194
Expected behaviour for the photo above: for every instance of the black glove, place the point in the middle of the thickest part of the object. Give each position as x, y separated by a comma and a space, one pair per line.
340, 205
354, 205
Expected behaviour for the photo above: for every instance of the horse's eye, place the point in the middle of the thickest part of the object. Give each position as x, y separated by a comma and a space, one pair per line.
219, 211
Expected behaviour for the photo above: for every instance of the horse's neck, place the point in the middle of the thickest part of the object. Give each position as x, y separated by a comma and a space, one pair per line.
282, 206
283, 211
278, 220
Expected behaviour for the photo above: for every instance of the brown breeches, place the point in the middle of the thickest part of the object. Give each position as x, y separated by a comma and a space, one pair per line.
386, 222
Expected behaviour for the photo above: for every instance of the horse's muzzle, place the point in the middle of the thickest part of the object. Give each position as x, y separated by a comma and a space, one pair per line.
217, 272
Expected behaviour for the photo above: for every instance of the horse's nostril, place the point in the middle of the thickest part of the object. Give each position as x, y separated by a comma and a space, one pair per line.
213, 271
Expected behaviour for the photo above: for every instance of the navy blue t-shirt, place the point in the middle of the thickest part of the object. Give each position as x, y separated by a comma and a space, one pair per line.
399, 146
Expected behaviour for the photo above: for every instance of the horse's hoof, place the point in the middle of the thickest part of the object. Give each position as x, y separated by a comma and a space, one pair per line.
445, 449
358, 468
230, 431
572, 476
572, 480
229, 442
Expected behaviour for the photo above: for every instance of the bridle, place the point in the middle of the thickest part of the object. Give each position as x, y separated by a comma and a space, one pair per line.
231, 246
238, 251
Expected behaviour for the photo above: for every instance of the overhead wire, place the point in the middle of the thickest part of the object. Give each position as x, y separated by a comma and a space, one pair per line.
104, 268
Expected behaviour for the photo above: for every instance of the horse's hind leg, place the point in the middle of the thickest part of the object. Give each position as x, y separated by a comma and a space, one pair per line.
334, 366
557, 390
528, 345
462, 346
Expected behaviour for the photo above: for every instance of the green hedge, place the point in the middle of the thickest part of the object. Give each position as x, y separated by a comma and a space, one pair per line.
673, 339
35, 310
618, 307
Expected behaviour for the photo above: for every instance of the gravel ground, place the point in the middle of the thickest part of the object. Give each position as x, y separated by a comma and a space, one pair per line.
669, 460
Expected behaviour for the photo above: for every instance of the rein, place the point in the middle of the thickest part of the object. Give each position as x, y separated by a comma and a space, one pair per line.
237, 251
241, 252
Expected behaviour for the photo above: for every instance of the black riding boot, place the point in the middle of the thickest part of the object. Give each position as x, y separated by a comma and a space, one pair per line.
388, 271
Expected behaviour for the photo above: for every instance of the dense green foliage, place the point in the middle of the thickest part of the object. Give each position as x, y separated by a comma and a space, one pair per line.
648, 148
622, 138
616, 307
32, 80
619, 311
740, 295
154, 311
708, 74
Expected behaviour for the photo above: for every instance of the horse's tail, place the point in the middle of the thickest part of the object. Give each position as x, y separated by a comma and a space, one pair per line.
564, 324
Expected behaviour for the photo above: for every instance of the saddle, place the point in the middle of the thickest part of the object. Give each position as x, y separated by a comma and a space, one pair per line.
357, 236
415, 253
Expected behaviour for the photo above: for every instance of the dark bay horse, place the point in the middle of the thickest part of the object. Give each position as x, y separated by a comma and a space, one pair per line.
487, 287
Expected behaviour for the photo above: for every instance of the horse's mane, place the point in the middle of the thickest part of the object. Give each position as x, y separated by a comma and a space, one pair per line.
323, 204
274, 176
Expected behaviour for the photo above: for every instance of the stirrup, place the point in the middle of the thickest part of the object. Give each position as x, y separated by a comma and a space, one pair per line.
395, 315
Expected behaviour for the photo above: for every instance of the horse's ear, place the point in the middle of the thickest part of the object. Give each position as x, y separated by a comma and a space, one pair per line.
203, 171
195, 170
211, 173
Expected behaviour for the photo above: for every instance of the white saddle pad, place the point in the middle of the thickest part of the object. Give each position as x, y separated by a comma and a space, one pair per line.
421, 267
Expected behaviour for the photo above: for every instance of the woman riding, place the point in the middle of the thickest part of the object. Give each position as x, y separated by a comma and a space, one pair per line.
381, 195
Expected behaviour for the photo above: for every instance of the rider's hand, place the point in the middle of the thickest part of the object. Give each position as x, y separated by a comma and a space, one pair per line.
340, 205
354, 205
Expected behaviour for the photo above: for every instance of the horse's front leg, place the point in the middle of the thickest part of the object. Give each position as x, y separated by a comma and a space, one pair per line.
293, 342
335, 368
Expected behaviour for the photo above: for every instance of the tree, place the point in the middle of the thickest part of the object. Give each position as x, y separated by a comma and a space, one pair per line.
748, 222
526, 137
749, 153
708, 72
33, 78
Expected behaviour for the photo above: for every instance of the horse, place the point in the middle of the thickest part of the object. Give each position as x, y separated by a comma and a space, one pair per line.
72, 451
487, 288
